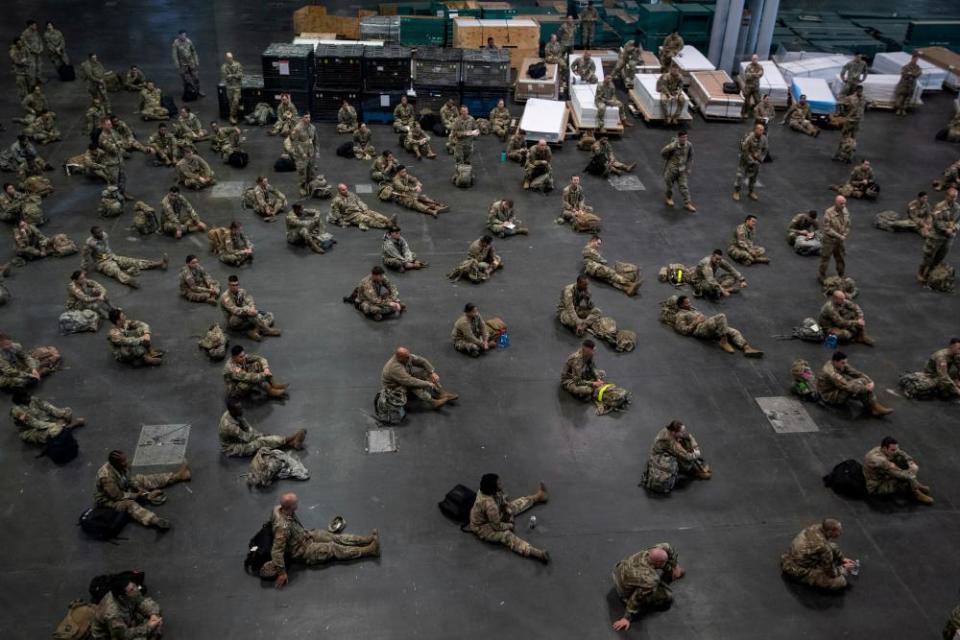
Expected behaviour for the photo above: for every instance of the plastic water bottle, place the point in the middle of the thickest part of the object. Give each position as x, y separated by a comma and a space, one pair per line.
503, 156
830, 342
503, 341
533, 522
855, 569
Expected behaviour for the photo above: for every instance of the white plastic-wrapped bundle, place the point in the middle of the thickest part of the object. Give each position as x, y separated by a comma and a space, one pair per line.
890, 63
544, 119
647, 97
819, 96
772, 83
582, 99
878, 89
825, 67
574, 78
690, 59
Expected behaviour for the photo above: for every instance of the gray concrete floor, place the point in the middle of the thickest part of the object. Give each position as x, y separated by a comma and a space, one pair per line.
433, 581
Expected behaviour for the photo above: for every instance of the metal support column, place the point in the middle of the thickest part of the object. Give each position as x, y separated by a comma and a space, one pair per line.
716, 31
767, 24
731, 35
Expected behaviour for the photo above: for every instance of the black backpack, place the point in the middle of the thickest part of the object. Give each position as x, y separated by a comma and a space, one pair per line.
66, 73
103, 523
171, 106
238, 159
190, 93
457, 504
61, 448
100, 585
258, 549
345, 150
731, 88
284, 164
537, 70
847, 479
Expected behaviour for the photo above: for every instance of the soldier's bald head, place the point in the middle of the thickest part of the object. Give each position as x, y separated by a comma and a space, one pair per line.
658, 557
840, 202
402, 353
952, 193
288, 500
838, 296
832, 527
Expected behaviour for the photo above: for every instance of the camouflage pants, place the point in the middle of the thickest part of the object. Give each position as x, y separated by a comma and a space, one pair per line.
346, 127
520, 155
846, 335
819, 578
586, 34
716, 328
570, 320
842, 396
674, 175
40, 434
837, 251
850, 126
934, 252
468, 348
283, 126
196, 294
371, 220
751, 98
508, 538
702, 288
364, 151
23, 85
672, 106
462, 152
190, 78
746, 169
304, 237
499, 129
393, 263
324, 546
196, 184
143, 482
402, 126
183, 228
602, 110
745, 256
124, 269
260, 322
234, 259
902, 100
803, 126
371, 309
247, 449
155, 113
412, 201
421, 149
244, 389
657, 600
892, 486
609, 275
233, 99
849, 87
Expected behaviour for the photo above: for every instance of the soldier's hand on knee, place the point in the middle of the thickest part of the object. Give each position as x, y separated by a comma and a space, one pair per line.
280, 580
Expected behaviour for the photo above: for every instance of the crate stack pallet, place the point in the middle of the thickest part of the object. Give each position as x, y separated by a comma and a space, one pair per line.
338, 76
385, 28
251, 92
520, 36
417, 31
386, 79
436, 76
695, 23
485, 76
546, 87
655, 22
288, 68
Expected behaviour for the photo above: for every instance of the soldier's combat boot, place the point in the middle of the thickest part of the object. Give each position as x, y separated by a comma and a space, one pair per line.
183, 474
704, 473
689, 207
161, 523
540, 554
922, 498
164, 262
274, 392
153, 361
296, 440
750, 352
526, 184
924, 488
632, 289
541, 495
668, 201
373, 549
271, 331
865, 339
736, 196
521, 231
753, 195
877, 410
726, 346
762, 260
254, 335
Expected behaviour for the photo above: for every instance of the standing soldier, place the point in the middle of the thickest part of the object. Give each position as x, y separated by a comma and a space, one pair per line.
854, 106
56, 46
588, 22
463, 131
232, 73
903, 92
677, 156
567, 35
853, 74
753, 150
185, 57
33, 45
940, 234
751, 85
95, 75
20, 59
836, 228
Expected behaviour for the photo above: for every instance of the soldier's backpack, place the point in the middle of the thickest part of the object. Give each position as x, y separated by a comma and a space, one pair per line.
258, 549
103, 523
217, 238
145, 220
941, 278
66, 73
807, 246
884, 219
597, 166
388, 406
848, 285
804, 384
284, 164
167, 103
100, 585
628, 270
668, 311
318, 187
661, 473
626, 341
385, 192
345, 150
674, 273
847, 479
537, 70
457, 504
190, 93
238, 159
111, 202
809, 331
611, 398
544, 183
214, 342
62, 245
79, 321
76, 624
463, 176
269, 465
262, 114
918, 385
585, 222
248, 199
61, 448
586, 142
48, 359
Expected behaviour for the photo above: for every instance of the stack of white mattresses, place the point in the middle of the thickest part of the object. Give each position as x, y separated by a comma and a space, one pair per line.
825, 67
891, 63
819, 96
544, 119
878, 89
583, 101
772, 83
645, 90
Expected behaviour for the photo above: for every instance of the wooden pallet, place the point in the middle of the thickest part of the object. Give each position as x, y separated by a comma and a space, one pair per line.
646, 115
580, 128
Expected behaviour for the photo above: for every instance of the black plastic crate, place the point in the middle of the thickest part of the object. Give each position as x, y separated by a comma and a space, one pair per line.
378, 106
386, 68
300, 99
251, 92
288, 67
485, 68
338, 66
437, 66
326, 103
481, 100
432, 98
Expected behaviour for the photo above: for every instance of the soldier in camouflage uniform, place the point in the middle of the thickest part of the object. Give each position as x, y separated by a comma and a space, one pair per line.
237, 248
919, 216
470, 334
377, 297
814, 559
30, 244
753, 150
580, 377
603, 154
576, 309
606, 97
677, 158
231, 72
797, 118
674, 441
944, 367
903, 93
553, 53
225, 140
860, 184
672, 97
151, 103
742, 247
130, 341
18, 368
481, 262
403, 116
628, 55
500, 119
888, 470
952, 630
347, 209
196, 285
764, 113
502, 221
492, 517
98, 254
56, 46
950, 177
43, 129
751, 85
406, 373
85, 294
588, 23
642, 581
838, 382
706, 282
670, 48
397, 254
286, 116
406, 191
384, 167
448, 114
853, 74
363, 148
179, 216
193, 171
95, 75
538, 164
567, 34
241, 313
843, 318
346, 118
124, 612
517, 147
575, 206
418, 142
625, 277
249, 375
134, 79
305, 227
116, 490
22, 61
836, 228
585, 69
166, 149
37, 420
940, 234
846, 148
187, 126
185, 58
238, 438
690, 322
462, 132
291, 541
853, 107
268, 201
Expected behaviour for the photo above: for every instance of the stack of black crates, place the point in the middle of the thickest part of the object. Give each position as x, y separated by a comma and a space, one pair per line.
436, 77
251, 92
486, 79
288, 68
338, 76
386, 79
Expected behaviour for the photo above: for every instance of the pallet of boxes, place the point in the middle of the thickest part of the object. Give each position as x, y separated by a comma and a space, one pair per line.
520, 37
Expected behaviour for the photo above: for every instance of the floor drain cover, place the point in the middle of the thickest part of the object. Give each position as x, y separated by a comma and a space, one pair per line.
381, 441
787, 415
364, 188
231, 189
626, 182
161, 445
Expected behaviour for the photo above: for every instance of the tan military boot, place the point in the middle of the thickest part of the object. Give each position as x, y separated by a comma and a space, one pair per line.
541, 495
372, 549
276, 393
540, 554
762, 260
865, 339
153, 361
726, 346
521, 231
877, 410
183, 474
753, 195
296, 440
526, 184
632, 289
704, 473
161, 523
922, 498
271, 331
689, 207
750, 352
923, 488
668, 201
736, 196
254, 335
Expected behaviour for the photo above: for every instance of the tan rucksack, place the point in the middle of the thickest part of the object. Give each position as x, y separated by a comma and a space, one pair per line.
217, 237
76, 624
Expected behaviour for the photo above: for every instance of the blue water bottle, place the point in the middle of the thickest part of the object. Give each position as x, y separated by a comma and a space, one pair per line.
503, 156
504, 340
830, 342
